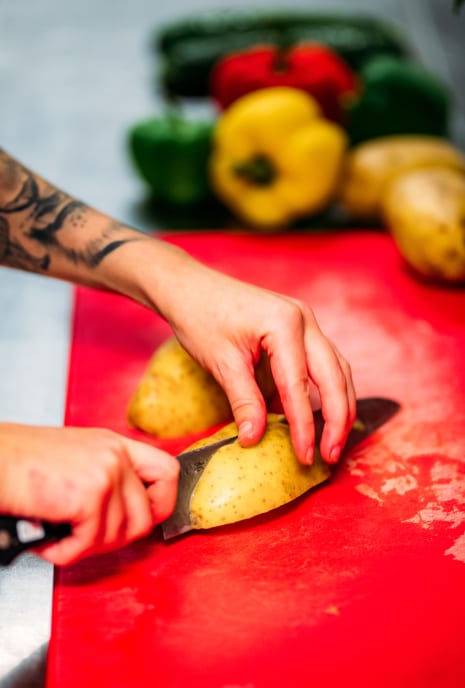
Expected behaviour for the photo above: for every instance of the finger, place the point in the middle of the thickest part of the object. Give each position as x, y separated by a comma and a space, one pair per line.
329, 375
246, 400
161, 471
351, 393
87, 538
289, 367
151, 463
66, 551
162, 498
102, 528
139, 520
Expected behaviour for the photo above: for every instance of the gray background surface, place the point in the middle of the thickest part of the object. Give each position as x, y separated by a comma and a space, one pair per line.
74, 76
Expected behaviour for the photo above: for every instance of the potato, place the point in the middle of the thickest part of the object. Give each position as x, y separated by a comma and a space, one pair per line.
425, 213
177, 397
240, 482
371, 166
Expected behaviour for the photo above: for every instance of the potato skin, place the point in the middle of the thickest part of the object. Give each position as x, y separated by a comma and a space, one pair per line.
176, 396
240, 482
372, 166
425, 213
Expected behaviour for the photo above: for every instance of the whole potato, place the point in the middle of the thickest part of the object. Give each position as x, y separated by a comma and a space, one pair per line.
425, 213
177, 397
372, 166
240, 482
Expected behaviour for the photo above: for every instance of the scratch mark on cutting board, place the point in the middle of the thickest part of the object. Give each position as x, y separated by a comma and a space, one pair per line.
401, 485
458, 549
368, 492
429, 489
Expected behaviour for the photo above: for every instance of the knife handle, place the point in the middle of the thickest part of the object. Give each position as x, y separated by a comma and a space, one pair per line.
19, 534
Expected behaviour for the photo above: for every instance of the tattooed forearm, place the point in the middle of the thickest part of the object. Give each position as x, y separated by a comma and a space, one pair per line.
13, 254
43, 228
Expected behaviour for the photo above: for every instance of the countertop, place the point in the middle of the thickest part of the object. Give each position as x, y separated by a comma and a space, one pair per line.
73, 77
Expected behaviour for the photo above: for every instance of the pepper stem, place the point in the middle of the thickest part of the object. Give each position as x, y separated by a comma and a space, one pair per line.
258, 170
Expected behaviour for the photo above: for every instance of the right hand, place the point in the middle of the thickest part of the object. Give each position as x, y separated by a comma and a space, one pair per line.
111, 489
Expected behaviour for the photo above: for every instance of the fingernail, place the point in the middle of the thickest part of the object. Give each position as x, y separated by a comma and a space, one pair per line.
334, 454
245, 430
309, 456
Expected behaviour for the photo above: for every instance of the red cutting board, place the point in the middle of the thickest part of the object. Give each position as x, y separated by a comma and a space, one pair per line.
361, 582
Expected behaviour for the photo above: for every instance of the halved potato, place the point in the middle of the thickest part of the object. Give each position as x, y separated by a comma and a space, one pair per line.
240, 482
177, 397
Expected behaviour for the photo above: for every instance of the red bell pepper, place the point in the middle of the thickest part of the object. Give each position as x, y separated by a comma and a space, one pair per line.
311, 67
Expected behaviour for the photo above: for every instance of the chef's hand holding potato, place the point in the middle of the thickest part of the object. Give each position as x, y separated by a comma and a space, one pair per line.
96, 478
226, 324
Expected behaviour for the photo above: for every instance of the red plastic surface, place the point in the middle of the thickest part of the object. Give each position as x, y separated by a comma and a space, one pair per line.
361, 582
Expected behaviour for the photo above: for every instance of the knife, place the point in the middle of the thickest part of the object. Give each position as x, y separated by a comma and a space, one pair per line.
372, 413
19, 534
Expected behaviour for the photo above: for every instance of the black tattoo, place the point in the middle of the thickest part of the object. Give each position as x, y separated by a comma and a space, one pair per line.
97, 258
45, 231
26, 197
45, 222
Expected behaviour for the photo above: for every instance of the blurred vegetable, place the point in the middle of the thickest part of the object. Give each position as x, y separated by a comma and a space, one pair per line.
425, 212
398, 97
371, 166
171, 154
274, 158
312, 68
190, 47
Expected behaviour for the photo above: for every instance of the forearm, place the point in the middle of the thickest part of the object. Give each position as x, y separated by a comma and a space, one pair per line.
45, 230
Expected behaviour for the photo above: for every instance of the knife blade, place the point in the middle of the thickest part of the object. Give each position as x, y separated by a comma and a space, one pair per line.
372, 413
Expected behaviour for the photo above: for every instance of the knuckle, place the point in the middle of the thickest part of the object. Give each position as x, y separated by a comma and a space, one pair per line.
103, 478
300, 311
244, 407
296, 388
293, 316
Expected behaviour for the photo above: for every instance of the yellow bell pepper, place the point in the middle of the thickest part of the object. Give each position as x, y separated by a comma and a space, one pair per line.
275, 158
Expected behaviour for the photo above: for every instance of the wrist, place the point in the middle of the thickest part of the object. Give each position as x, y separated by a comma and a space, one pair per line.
153, 272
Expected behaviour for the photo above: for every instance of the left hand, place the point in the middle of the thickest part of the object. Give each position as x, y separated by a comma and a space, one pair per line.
225, 324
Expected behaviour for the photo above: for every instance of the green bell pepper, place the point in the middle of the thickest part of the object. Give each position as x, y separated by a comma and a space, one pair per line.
171, 154
398, 97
